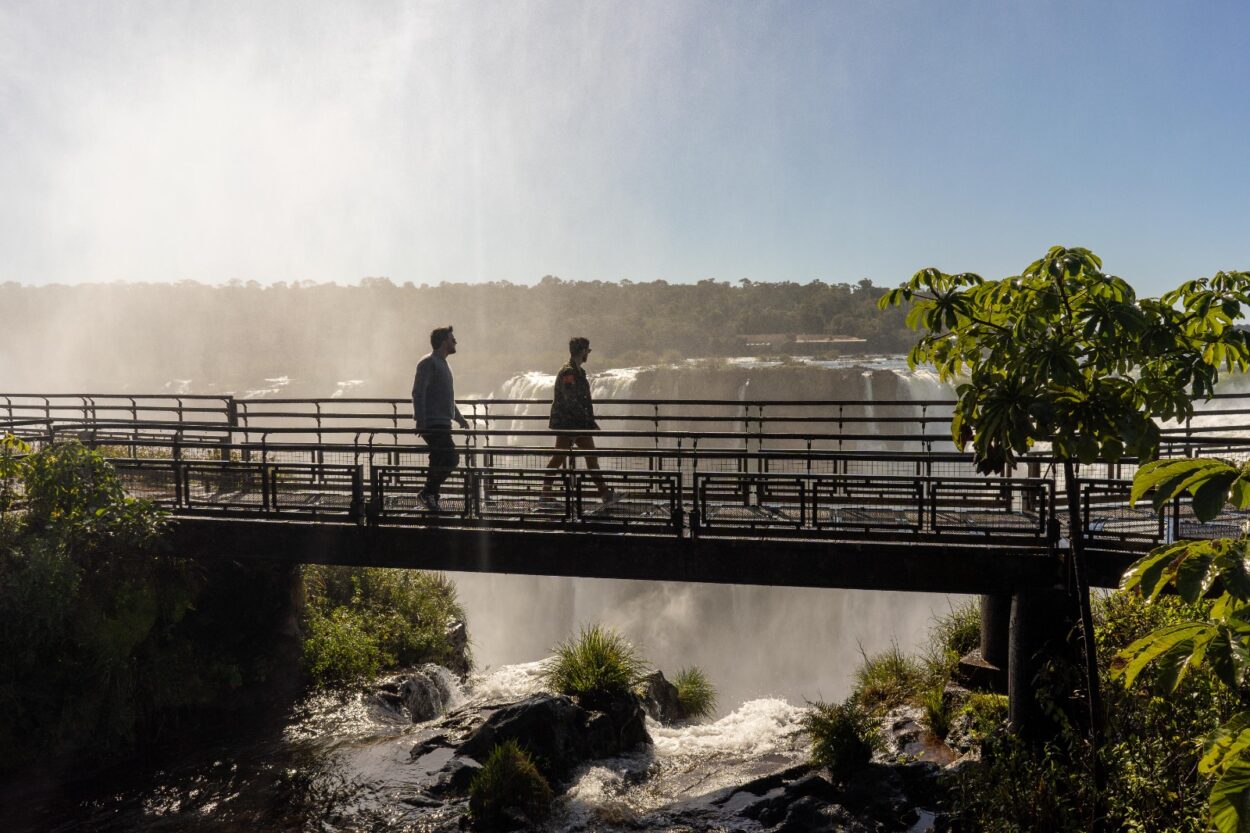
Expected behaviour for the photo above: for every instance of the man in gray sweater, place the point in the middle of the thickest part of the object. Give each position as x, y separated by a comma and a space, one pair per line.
434, 407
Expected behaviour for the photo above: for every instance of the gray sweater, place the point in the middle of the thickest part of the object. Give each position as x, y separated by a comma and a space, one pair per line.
433, 394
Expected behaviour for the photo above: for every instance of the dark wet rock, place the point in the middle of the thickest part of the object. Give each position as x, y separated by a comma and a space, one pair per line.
811, 815
907, 737
421, 694
456, 776
559, 733
458, 636
659, 699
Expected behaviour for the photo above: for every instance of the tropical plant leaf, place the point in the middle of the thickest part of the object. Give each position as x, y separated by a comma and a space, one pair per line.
1229, 799
1233, 568
1194, 573
1212, 494
1134, 659
1157, 474
1230, 739
1150, 572
1228, 656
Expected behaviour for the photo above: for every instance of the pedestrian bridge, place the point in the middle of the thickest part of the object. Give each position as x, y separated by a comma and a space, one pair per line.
824, 494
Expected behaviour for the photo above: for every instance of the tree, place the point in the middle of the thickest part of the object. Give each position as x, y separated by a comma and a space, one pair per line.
1066, 354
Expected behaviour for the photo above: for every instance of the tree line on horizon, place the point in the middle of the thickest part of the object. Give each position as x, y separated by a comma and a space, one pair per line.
135, 335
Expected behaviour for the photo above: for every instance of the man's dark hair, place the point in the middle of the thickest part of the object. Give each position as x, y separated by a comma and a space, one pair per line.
438, 336
577, 344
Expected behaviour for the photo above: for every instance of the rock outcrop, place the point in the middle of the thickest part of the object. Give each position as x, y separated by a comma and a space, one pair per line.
559, 732
660, 700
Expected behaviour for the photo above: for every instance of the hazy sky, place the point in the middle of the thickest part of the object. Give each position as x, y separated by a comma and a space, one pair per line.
603, 140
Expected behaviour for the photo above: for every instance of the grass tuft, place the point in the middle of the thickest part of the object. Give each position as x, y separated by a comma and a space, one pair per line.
951, 636
507, 784
844, 737
937, 712
599, 662
888, 679
695, 693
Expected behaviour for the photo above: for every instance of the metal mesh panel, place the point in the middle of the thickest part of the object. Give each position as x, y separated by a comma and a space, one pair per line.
313, 489
862, 503
154, 480
638, 498
998, 506
395, 490
1228, 524
224, 485
751, 501
1109, 519
524, 496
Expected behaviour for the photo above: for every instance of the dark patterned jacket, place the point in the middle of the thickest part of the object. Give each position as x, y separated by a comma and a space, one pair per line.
571, 408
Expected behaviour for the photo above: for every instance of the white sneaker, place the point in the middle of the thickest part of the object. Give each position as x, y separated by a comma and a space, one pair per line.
610, 498
430, 502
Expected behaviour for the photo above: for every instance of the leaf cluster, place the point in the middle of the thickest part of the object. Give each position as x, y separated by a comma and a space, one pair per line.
1066, 353
360, 621
1215, 570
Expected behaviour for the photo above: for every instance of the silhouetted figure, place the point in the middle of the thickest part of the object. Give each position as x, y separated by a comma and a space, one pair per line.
433, 408
572, 410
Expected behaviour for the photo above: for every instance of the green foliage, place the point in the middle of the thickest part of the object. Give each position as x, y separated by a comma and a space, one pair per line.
361, 621
599, 662
508, 784
1151, 753
339, 649
988, 713
888, 679
89, 607
844, 736
1068, 354
695, 693
1213, 578
1020, 787
12, 450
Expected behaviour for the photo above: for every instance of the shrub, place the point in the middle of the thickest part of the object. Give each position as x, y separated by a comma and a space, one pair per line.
887, 680
1150, 754
695, 693
844, 736
508, 783
361, 621
1018, 787
97, 624
599, 662
339, 649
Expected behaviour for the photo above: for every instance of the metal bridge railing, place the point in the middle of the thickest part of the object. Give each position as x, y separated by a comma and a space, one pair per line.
692, 481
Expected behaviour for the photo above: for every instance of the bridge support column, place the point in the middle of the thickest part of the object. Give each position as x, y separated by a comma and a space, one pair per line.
1037, 625
995, 629
985, 668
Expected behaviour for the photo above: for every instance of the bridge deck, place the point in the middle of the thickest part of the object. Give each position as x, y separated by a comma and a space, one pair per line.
762, 505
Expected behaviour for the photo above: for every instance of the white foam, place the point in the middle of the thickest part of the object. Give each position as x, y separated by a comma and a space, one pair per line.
507, 682
757, 727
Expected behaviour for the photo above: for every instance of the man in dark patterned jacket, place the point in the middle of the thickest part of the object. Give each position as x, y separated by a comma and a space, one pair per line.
572, 410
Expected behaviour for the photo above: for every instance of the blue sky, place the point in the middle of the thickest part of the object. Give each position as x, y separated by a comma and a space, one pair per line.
467, 141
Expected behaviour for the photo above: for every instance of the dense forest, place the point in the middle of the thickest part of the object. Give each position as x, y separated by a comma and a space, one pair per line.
141, 336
